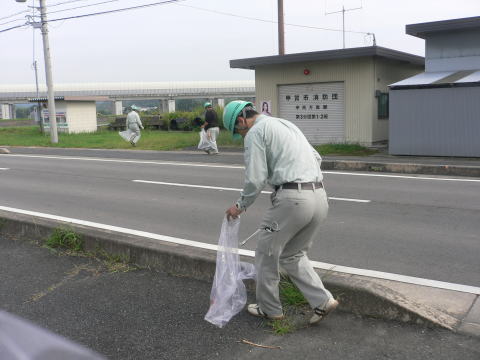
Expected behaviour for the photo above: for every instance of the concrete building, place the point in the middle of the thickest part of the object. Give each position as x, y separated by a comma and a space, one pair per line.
75, 114
335, 96
437, 112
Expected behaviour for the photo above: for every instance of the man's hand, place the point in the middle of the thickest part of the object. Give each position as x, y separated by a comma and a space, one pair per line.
233, 212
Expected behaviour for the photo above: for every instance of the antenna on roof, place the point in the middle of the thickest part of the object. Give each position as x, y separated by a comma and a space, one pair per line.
373, 38
343, 16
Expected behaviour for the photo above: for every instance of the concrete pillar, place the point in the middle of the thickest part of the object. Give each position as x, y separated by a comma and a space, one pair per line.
117, 107
36, 114
13, 113
5, 111
221, 102
171, 105
2, 111
163, 106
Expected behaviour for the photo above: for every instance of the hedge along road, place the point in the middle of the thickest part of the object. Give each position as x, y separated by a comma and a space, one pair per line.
418, 226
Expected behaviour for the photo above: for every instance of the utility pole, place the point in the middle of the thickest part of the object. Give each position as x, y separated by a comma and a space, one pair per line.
343, 18
48, 70
281, 29
39, 109
52, 114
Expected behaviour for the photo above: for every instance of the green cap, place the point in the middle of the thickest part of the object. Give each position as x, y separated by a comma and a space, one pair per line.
230, 114
134, 107
207, 104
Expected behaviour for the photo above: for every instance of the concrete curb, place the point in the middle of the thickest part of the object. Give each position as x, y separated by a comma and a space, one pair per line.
409, 168
384, 299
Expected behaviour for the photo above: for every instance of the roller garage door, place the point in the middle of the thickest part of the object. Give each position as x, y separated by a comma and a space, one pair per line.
317, 109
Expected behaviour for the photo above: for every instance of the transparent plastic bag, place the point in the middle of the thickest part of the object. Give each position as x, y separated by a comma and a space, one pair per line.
130, 136
229, 295
204, 143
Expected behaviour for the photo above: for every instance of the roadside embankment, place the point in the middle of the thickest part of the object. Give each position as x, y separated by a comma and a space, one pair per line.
367, 296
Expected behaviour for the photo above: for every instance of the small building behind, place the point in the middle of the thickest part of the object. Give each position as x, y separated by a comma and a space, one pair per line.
334, 96
75, 114
437, 113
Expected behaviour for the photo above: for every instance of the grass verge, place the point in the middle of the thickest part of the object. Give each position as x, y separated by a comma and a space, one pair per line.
344, 149
283, 327
289, 293
150, 140
68, 242
294, 306
65, 239
105, 139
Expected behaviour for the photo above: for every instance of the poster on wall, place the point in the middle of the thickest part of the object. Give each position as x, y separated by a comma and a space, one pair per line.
61, 119
266, 108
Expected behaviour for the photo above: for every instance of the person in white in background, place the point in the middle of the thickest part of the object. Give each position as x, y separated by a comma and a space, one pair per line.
133, 123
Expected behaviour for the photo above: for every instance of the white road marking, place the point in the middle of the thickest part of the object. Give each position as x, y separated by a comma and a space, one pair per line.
210, 165
193, 186
401, 176
249, 253
397, 277
347, 199
231, 189
173, 163
4, 168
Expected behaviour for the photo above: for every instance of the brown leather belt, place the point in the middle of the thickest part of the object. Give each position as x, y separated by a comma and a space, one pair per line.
303, 186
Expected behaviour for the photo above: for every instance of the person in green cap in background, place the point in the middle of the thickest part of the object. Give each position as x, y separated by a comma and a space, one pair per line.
211, 128
277, 153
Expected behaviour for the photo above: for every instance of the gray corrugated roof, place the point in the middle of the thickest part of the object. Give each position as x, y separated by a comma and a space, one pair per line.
422, 29
439, 79
251, 63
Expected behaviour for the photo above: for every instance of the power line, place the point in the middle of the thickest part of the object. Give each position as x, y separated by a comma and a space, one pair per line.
176, 1
99, 13
26, 11
80, 7
8, 22
116, 10
271, 21
13, 27
12, 15
65, 2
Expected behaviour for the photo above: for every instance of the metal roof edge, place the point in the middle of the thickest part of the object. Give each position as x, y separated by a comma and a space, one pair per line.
434, 86
251, 63
421, 29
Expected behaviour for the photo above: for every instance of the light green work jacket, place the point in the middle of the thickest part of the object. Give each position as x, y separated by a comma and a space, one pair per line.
276, 152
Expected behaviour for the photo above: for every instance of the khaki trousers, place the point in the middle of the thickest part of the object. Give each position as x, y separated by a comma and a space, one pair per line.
299, 214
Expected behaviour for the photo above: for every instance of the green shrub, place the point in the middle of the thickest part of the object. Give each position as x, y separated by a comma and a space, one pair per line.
65, 239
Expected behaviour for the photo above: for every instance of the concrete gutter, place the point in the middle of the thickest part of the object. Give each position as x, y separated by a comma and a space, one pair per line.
403, 168
386, 299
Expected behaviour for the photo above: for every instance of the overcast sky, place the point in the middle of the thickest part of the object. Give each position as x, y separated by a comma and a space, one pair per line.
182, 42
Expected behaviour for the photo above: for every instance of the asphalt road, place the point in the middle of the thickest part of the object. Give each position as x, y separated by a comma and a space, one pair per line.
149, 315
423, 226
